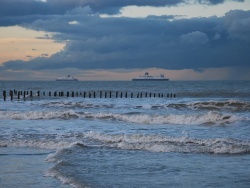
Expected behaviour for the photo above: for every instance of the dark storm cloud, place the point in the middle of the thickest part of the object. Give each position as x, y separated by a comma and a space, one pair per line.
215, 1
106, 43
19, 8
16, 12
52, 7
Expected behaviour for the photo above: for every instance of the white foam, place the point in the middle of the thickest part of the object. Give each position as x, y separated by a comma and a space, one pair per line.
43, 144
184, 119
154, 143
234, 105
176, 119
184, 144
35, 115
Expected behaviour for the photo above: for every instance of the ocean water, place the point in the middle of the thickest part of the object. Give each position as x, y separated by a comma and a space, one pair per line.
200, 138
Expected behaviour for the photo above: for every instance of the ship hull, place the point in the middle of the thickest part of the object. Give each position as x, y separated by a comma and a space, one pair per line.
65, 80
148, 79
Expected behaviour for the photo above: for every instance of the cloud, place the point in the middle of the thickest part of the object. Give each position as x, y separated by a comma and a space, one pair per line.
94, 42
194, 38
214, 2
210, 1
24, 8
238, 24
59, 7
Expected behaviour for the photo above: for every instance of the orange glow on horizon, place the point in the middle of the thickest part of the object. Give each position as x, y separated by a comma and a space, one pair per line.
27, 48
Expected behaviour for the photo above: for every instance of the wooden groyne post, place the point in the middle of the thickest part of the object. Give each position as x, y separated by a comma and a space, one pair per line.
95, 94
4, 95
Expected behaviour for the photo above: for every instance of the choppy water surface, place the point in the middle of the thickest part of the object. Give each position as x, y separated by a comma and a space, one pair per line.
198, 139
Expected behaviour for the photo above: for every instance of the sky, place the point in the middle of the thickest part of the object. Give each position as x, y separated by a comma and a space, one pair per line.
119, 40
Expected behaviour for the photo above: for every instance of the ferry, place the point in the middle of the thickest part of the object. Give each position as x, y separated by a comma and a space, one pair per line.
66, 78
147, 77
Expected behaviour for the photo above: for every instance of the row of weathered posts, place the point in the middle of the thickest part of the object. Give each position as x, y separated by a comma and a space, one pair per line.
85, 94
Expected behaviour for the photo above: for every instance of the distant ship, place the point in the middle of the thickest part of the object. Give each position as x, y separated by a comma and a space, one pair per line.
66, 78
147, 77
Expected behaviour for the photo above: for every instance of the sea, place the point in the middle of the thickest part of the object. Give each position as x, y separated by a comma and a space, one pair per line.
168, 134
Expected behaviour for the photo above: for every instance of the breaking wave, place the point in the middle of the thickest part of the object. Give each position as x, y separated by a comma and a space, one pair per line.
65, 104
211, 117
155, 143
229, 105
43, 144
36, 115
152, 143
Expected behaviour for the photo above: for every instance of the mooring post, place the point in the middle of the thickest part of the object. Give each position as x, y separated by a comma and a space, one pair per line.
73, 94
141, 95
94, 94
131, 95
38, 93
126, 95
31, 94
100, 94
105, 94
84, 94
171, 95
110, 94
121, 94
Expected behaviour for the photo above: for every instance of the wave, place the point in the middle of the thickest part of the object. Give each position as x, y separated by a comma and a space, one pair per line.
211, 117
65, 104
36, 115
228, 105
156, 143
57, 173
152, 143
43, 144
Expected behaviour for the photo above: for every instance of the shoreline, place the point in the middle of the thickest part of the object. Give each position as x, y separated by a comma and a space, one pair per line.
26, 167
